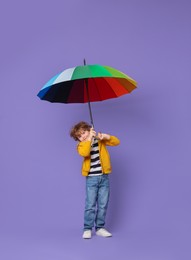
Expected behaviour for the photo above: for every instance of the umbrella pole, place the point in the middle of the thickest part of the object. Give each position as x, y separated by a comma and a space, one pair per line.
89, 105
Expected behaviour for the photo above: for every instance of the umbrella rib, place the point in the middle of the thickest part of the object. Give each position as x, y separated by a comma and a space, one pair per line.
111, 89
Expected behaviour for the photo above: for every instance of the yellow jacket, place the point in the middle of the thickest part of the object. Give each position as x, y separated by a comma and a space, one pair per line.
84, 149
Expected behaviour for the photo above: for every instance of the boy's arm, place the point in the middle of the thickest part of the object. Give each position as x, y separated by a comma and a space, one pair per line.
84, 148
112, 141
108, 139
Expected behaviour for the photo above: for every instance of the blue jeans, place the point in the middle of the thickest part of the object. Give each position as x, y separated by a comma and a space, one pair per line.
97, 198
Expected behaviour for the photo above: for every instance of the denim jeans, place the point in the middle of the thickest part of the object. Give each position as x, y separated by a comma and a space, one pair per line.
97, 198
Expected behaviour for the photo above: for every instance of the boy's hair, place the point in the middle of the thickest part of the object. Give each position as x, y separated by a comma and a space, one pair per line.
74, 132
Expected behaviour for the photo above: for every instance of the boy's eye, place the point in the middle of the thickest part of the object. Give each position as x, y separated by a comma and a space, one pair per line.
79, 135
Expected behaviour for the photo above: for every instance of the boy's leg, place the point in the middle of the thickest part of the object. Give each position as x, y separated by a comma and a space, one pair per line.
103, 199
90, 203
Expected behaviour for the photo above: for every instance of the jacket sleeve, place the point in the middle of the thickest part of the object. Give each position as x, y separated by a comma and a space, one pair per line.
84, 148
113, 141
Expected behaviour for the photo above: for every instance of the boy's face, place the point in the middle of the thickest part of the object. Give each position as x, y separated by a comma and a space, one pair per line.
83, 135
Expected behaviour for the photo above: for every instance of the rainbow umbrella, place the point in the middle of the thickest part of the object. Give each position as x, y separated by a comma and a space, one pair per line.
85, 84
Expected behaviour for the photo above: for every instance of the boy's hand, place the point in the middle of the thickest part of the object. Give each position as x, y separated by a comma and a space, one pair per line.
102, 136
92, 134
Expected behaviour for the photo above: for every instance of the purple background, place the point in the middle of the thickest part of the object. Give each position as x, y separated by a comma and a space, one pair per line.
41, 188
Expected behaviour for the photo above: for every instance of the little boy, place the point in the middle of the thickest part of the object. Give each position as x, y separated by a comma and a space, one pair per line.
96, 167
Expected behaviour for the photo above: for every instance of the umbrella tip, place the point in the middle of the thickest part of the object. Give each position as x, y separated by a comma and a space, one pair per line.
84, 62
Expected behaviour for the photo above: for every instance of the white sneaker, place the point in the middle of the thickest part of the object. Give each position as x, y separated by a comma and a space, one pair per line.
87, 234
103, 233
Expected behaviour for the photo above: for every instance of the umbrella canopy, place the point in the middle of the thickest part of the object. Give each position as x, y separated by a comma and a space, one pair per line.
88, 83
